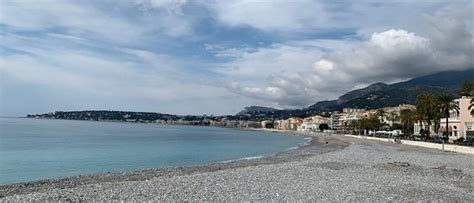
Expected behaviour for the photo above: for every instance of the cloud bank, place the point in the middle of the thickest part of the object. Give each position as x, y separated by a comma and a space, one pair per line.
194, 57
300, 76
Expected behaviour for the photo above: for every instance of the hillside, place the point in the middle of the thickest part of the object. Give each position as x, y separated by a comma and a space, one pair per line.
256, 110
380, 95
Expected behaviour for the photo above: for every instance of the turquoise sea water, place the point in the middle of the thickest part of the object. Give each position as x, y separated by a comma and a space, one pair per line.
33, 149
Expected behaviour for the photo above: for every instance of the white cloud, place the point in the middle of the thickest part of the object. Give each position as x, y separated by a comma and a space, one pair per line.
169, 5
323, 66
258, 64
104, 48
78, 18
397, 39
276, 15
92, 21
133, 81
310, 75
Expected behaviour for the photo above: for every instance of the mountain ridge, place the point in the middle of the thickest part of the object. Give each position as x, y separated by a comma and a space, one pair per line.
378, 95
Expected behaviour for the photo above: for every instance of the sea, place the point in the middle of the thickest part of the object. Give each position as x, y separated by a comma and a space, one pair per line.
35, 149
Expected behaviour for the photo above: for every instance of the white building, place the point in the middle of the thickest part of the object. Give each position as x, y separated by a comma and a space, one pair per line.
312, 124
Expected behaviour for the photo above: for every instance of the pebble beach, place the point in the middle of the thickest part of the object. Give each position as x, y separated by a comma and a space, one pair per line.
330, 168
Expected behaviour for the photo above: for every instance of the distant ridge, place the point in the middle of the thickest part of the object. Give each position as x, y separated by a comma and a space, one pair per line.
373, 96
380, 94
256, 109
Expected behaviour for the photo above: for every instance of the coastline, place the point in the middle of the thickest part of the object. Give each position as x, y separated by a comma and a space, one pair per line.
299, 144
292, 154
332, 168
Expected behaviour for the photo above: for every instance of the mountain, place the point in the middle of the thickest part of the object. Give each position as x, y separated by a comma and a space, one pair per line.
380, 94
447, 79
256, 110
360, 92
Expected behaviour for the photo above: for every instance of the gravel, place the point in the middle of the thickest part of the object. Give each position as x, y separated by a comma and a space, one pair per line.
331, 168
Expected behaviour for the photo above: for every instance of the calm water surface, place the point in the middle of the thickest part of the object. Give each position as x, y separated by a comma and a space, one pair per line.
32, 149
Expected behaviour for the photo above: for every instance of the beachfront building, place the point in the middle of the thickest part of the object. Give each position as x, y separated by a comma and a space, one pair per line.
341, 121
335, 120
295, 122
249, 124
283, 124
461, 123
418, 126
313, 123
267, 124
393, 113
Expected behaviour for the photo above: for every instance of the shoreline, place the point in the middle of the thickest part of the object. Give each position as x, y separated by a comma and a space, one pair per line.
291, 154
332, 168
261, 156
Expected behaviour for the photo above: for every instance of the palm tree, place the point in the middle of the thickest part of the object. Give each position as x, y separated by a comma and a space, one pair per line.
471, 107
426, 105
419, 117
345, 124
446, 104
407, 117
437, 117
467, 89
381, 115
392, 115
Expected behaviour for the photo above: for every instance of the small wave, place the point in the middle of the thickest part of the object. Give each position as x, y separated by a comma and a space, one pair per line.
245, 158
307, 142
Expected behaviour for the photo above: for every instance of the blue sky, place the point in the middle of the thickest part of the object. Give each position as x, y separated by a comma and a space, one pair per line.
216, 57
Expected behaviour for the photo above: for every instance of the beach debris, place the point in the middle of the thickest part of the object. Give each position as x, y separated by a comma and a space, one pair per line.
399, 164
442, 167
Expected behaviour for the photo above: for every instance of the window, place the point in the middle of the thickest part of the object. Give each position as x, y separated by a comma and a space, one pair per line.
469, 125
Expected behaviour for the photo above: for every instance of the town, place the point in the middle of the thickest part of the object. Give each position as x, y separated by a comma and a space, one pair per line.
426, 120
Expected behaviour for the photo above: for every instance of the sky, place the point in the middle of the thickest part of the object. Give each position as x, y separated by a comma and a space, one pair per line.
216, 57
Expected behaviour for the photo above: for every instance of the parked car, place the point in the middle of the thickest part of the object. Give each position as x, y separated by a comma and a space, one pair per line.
468, 141
438, 138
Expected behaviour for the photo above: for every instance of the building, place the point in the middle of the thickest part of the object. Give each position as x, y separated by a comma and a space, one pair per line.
282, 124
418, 126
393, 113
461, 124
267, 124
352, 110
313, 123
249, 124
335, 120
295, 122
340, 121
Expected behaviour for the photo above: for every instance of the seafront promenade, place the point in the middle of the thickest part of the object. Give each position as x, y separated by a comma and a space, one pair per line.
331, 168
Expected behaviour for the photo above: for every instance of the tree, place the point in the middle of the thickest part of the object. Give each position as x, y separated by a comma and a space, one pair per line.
467, 89
471, 107
426, 105
392, 115
446, 104
345, 125
371, 123
381, 114
408, 118
419, 117
353, 125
